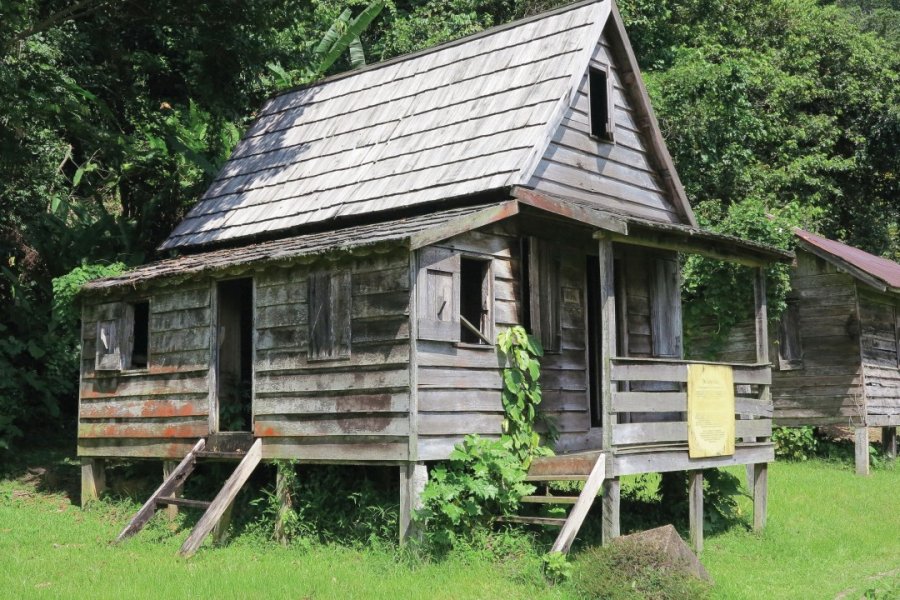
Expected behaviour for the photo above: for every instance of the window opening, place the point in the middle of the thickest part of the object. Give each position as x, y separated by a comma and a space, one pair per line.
601, 104
790, 353
475, 301
140, 328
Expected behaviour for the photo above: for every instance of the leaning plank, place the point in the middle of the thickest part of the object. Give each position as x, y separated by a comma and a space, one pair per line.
168, 487
223, 499
582, 506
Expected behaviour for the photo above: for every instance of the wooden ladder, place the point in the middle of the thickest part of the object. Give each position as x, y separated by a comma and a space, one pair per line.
165, 493
561, 469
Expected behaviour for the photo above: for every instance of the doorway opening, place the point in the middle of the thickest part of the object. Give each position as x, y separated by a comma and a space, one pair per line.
234, 340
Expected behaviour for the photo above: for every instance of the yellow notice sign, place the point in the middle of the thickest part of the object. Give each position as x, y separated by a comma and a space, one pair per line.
710, 392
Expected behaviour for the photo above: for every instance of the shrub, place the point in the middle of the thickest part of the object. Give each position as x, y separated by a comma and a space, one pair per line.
626, 571
795, 443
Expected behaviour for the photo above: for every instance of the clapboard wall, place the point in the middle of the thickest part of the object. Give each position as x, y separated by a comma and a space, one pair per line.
346, 409
160, 411
618, 175
459, 385
826, 388
879, 345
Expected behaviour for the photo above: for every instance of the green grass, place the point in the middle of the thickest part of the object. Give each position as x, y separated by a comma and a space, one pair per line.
829, 532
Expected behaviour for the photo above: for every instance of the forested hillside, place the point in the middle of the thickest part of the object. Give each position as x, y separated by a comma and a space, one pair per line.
115, 115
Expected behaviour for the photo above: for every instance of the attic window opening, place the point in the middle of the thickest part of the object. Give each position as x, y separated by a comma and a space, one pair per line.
140, 324
600, 95
475, 301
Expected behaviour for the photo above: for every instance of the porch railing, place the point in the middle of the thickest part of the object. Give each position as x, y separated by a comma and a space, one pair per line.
649, 402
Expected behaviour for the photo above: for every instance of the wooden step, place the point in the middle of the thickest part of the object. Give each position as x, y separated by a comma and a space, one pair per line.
187, 502
561, 477
213, 454
549, 499
549, 521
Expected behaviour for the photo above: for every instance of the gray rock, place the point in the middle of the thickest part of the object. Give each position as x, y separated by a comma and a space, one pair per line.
666, 540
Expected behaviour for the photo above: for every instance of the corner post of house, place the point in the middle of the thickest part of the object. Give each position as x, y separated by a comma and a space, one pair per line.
757, 474
695, 502
611, 485
283, 481
413, 479
171, 509
93, 479
862, 450
889, 442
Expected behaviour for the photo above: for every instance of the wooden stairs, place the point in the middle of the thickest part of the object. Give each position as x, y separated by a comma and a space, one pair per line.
589, 467
219, 447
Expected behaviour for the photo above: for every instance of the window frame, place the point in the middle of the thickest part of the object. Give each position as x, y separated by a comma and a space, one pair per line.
603, 125
791, 313
486, 326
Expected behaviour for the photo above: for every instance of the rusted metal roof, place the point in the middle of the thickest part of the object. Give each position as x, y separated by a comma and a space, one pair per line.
859, 263
462, 118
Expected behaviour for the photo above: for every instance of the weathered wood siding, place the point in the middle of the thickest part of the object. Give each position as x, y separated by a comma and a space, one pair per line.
351, 409
619, 175
459, 385
879, 340
827, 389
159, 411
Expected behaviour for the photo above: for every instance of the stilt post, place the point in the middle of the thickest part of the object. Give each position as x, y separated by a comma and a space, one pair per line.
695, 502
93, 479
285, 502
413, 478
889, 442
171, 509
862, 450
612, 497
760, 495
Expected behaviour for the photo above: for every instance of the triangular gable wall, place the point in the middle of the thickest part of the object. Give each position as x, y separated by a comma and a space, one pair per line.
634, 173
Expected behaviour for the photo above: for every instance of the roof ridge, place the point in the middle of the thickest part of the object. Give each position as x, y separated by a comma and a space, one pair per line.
424, 51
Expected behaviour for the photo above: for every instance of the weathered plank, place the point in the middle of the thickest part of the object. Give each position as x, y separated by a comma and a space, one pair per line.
582, 506
376, 424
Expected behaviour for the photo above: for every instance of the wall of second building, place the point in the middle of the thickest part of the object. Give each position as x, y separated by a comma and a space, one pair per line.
459, 385
880, 344
826, 387
353, 409
158, 411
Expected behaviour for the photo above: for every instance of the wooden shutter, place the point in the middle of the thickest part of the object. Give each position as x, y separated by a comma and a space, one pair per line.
790, 351
543, 285
109, 346
329, 315
897, 332
438, 295
665, 307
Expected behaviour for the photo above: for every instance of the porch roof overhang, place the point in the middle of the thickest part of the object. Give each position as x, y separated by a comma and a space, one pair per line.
627, 229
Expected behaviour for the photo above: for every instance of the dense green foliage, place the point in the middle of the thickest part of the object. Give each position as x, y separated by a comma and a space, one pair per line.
114, 116
795, 443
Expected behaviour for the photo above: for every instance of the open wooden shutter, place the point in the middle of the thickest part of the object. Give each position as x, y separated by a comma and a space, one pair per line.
109, 345
665, 308
543, 285
790, 350
329, 315
438, 295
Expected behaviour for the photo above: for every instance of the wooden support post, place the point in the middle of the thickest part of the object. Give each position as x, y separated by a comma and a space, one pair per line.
760, 495
220, 531
285, 504
93, 479
889, 442
612, 496
607, 338
695, 503
171, 509
413, 478
862, 450
761, 311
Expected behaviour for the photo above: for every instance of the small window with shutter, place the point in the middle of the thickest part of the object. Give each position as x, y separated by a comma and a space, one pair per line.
329, 315
790, 351
438, 295
602, 106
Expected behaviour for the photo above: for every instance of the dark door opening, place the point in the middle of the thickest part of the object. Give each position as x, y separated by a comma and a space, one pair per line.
595, 371
235, 354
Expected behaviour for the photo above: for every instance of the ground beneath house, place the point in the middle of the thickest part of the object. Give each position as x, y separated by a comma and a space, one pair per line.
830, 534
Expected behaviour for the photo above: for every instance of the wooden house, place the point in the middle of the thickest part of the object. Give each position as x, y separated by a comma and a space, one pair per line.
338, 289
838, 356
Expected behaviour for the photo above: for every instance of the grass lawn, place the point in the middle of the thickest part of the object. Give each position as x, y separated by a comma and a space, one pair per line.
829, 531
